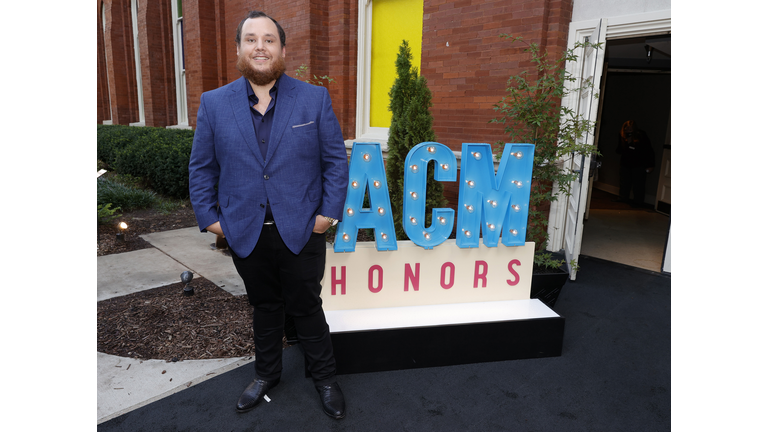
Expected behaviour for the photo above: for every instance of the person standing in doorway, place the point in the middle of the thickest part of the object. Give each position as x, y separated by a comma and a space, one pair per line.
268, 171
637, 160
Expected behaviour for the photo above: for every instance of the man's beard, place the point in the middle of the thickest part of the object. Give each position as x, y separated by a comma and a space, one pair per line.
260, 77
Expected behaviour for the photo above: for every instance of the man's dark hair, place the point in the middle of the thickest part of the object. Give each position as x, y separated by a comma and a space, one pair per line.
260, 14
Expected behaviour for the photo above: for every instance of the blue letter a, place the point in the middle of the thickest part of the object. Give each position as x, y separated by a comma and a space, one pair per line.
366, 171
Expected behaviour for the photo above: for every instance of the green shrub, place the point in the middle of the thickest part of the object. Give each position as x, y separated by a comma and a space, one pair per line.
124, 197
112, 138
409, 101
106, 213
166, 206
158, 156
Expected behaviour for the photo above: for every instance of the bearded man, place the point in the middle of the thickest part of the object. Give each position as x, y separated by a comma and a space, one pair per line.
269, 172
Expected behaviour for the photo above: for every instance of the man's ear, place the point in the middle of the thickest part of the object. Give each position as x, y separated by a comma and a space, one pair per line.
283, 51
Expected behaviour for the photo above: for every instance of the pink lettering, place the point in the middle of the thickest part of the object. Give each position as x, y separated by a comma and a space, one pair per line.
481, 274
380, 284
340, 281
448, 265
411, 277
516, 276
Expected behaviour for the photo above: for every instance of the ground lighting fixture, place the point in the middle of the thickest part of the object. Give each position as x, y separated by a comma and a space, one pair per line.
121, 234
186, 278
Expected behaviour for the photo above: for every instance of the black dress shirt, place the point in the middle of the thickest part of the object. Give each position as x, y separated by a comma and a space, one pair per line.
262, 124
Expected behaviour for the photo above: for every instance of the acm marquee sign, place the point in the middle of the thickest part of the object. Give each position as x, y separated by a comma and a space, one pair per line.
430, 268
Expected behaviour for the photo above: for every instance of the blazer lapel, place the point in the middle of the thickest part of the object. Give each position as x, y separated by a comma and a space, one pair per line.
242, 111
283, 109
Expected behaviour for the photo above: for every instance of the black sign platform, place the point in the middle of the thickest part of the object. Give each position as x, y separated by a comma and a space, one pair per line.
372, 340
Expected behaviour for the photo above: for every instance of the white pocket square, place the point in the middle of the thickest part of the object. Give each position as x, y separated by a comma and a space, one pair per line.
305, 124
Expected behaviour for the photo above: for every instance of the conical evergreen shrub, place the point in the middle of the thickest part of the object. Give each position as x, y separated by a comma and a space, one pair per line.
409, 101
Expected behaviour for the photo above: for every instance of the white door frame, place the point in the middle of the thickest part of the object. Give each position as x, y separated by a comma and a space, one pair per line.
137, 61
645, 24
182, 119
588, 73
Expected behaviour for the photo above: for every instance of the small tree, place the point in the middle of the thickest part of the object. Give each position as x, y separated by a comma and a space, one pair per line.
409, 101
533, 113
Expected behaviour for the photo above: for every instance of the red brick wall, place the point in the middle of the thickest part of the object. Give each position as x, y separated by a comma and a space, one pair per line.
467, 65
466, 77
320, 35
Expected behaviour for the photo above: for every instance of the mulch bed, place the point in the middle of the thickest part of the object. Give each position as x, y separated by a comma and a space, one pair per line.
161, 323
164, 324
141, 222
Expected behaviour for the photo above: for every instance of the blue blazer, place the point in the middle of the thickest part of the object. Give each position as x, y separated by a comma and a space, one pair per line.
305, 172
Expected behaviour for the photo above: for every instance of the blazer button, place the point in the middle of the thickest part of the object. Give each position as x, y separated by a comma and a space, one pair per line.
266, 177
261, 205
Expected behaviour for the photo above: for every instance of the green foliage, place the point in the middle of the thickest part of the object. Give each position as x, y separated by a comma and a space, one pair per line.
166, 206
106, 213
574, 265
127, 198
157, 156
112, 138
410, 100
545, 260
315, 80
532, 112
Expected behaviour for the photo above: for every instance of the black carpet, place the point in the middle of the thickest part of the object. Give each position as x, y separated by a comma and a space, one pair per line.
613, 375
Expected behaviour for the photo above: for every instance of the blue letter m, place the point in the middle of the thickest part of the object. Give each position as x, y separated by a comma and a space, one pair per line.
496, 202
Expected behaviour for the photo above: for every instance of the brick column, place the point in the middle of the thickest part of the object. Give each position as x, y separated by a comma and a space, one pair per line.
342, 62
102, 87
157, 67
201, 51
120, 62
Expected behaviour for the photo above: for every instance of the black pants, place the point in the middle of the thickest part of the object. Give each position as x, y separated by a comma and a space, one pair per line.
632, 179
278, 282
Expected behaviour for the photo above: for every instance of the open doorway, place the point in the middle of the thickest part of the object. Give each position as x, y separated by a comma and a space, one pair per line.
636, 86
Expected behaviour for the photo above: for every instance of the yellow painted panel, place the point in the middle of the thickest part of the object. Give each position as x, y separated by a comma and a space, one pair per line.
393, 22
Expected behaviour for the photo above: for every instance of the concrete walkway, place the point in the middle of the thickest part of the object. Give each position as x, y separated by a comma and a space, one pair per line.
125, 384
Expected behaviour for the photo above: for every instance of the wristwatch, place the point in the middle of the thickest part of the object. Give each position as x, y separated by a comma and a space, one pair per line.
331, 220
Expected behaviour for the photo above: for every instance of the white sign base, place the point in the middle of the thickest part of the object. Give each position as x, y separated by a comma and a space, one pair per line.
412, 276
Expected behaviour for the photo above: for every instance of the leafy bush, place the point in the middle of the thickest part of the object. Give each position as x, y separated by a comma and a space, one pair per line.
158, 156
112, 138
106, 213
110, 192
532, 112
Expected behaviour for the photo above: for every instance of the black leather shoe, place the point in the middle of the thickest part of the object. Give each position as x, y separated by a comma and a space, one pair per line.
332, 399
254, 393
